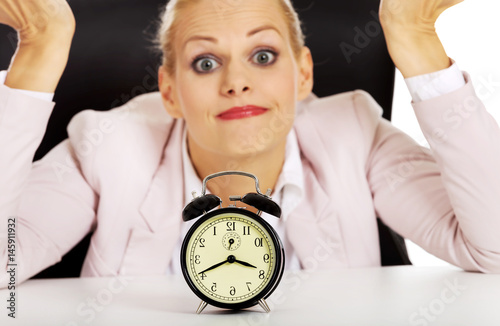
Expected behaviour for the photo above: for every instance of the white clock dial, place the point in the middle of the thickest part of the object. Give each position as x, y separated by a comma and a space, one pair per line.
230, 258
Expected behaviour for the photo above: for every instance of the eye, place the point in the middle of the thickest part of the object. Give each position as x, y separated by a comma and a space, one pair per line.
264, 57
205, 65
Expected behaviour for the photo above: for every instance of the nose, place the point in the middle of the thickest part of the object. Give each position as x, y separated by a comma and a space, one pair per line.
235, 90
235, 81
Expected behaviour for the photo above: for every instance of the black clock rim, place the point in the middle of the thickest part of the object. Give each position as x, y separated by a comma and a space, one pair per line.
277, 272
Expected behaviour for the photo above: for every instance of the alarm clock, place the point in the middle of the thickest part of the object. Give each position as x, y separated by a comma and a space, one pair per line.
231, 257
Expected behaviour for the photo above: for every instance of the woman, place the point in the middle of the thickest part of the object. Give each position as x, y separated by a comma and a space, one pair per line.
230, 81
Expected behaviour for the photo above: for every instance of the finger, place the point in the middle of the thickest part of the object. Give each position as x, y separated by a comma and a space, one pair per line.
448, 4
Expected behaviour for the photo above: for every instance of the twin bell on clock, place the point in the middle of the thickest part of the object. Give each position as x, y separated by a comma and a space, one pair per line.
231, 257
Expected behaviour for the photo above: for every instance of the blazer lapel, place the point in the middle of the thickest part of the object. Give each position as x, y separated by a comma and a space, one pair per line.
152, 242
313, 228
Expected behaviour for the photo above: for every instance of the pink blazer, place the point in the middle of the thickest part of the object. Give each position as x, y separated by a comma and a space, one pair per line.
120, 174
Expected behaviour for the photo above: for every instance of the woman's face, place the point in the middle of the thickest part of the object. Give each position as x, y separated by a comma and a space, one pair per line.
236, 79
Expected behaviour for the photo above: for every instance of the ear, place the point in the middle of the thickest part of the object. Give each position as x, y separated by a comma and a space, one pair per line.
305, 81
166, 85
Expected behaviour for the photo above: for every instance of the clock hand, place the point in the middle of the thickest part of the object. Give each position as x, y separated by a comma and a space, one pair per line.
214, 266
244, 263
230, 259
231, 241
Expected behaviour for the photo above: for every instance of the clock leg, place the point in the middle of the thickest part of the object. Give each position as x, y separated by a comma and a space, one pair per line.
202, 306
264, 305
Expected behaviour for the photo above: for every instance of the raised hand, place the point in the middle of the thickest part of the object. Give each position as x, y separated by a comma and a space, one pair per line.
411, 37
36, 17
45, 29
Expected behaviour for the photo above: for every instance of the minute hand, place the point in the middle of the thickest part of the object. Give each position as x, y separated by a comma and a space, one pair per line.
213, 267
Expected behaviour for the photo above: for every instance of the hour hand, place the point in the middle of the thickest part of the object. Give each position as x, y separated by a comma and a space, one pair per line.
244, 263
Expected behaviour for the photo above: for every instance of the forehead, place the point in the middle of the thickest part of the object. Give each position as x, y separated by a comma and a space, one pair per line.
219, 18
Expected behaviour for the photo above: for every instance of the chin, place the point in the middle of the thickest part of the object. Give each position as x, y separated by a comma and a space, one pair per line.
250, 146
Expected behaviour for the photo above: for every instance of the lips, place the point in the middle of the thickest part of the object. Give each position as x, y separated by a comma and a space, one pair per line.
242, 112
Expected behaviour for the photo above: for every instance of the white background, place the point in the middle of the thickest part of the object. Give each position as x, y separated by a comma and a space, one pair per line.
469, 32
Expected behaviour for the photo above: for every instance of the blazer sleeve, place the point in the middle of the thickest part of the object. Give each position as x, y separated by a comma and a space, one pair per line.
445, 199
50, 201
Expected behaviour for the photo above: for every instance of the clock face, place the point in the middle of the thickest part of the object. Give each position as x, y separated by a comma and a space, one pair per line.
230, 259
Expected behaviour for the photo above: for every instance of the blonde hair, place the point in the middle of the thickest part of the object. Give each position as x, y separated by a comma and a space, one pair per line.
169, 17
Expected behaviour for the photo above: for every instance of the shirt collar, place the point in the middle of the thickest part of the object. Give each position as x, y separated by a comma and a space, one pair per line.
289, 189
191, 180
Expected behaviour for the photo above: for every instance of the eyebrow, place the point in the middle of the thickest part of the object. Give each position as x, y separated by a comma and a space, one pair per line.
214, 40
261, 29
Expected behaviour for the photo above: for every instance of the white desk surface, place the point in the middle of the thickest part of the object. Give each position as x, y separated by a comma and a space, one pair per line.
402, 295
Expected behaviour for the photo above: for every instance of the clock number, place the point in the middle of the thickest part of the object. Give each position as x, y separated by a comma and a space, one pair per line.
202, 243
246, 230
215, 230
266, 258
197, 259
258, 242
248, 285
214, 287
232, 291
261, 274
203, 275
230, 226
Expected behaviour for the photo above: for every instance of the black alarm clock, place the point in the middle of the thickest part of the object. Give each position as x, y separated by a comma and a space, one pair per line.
231, 257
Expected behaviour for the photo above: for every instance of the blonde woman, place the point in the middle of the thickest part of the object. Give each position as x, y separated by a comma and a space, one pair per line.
235, 94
